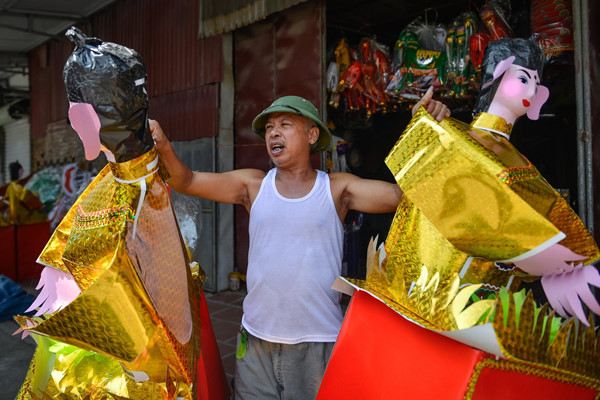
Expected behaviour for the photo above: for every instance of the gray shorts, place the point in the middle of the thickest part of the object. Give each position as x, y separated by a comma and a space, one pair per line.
280, 371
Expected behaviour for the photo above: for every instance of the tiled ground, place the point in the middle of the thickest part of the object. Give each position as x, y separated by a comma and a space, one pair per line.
226, 315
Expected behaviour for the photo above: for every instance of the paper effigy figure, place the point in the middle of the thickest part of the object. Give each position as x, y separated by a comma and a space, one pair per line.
478, 218
120, 308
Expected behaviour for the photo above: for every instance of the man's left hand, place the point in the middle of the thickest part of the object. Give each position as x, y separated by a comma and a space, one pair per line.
435, 108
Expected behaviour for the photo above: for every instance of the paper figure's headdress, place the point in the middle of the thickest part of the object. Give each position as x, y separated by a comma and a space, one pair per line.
112, 79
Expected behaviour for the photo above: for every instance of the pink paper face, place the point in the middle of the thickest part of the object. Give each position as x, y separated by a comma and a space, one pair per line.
86, 123
519, 92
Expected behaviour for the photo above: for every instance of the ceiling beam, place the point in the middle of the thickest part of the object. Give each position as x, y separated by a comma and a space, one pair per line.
23, 71
41, 14
32, 31
15, 54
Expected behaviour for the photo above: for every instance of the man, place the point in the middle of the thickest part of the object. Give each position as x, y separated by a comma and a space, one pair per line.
291, 315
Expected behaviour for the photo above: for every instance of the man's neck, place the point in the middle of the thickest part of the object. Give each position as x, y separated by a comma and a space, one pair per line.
295, 183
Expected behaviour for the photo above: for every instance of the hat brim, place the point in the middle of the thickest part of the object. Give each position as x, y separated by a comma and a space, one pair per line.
258, 126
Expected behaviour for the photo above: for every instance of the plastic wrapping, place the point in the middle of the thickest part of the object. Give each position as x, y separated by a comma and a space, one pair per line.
111, 78
477, 44
46, 183
72, 181
188, 211
527, 54
460, 69
362, 83
419, 61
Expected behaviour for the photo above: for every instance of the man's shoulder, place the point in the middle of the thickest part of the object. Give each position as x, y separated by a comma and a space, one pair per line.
339, 182
250, 176
251, 172
341, 177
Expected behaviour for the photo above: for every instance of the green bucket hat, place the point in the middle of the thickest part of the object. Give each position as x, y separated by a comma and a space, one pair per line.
295, 105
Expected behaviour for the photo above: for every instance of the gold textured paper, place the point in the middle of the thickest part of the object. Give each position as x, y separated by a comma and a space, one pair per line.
470, 200
139, 300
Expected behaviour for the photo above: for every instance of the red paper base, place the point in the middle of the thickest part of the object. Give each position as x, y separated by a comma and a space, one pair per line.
492, 385
212, 382
8, 265
381, 355
31, 240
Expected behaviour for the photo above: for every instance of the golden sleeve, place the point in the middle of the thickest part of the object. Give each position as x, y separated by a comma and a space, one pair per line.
51, 256
454, 181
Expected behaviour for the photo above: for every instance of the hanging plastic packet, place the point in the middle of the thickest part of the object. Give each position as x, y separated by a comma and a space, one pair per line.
421, 65
460, 69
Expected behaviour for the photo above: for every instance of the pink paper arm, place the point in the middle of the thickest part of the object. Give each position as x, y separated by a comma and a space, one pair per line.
568, 290
553, 260
58, 290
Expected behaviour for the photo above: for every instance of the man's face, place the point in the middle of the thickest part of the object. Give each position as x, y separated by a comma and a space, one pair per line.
287, 137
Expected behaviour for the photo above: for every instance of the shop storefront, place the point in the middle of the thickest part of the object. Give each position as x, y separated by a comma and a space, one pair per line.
302, 50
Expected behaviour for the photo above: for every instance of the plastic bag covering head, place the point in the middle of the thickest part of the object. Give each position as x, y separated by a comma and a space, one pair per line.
111, 78
527, 54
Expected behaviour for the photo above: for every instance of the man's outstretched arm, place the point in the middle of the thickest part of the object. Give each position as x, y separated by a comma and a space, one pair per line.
226, 187
366, 195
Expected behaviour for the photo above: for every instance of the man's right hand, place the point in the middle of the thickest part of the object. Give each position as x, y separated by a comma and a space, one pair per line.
159, 137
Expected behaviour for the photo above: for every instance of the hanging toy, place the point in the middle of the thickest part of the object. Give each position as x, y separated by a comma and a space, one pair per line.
477, 45
407, 41
349, 82
494, 21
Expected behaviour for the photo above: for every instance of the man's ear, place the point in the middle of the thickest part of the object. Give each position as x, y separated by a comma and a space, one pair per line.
313, 134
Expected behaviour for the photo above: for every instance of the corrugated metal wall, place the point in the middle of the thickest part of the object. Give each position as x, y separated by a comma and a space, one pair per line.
183, 71
48, 96
276, 57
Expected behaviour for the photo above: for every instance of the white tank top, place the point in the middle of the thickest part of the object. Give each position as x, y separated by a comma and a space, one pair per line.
295, 255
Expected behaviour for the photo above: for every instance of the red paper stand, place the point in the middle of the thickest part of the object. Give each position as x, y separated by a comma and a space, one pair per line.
212, 382
381, 355
8, 265
31, 240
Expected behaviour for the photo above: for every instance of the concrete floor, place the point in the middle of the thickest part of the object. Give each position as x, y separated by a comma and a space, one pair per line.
15, 354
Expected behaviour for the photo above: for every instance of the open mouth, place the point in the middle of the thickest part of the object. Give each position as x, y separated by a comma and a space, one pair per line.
526, 103
277, 148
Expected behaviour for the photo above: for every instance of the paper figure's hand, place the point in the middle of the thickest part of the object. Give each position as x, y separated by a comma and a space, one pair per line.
566, 291
58, 290
555, 259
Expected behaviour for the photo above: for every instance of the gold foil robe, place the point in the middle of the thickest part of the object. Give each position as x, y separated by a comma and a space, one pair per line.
470, 199
139, 302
